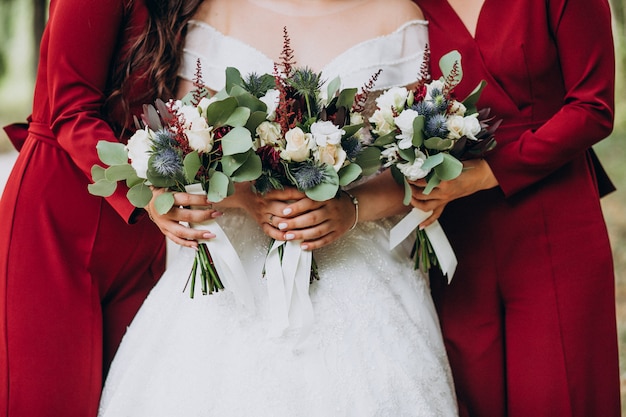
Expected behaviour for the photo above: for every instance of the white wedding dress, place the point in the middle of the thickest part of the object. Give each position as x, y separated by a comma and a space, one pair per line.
375, 348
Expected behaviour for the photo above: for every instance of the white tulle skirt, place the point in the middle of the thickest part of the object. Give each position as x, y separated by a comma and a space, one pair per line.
375, 348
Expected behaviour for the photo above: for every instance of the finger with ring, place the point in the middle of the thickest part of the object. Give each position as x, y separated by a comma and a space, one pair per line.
271, 217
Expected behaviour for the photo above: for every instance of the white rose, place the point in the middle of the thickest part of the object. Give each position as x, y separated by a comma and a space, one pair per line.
405, 122
271, 101
414, 171
471, 126
139, 146
383, 122
326, 133
269, 133
455, 127
331, 155
457, 108
189, 114
297, 148
393, 98
199, 134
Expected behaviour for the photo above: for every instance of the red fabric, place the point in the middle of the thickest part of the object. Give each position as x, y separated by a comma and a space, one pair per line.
73, 272
529, 318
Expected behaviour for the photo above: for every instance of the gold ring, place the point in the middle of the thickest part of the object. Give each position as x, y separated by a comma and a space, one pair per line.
271, 217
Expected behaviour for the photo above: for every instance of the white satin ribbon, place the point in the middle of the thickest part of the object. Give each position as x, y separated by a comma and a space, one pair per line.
436, 236
225, 257
288, 288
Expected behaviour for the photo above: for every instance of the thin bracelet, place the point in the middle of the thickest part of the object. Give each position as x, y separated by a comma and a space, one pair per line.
355, 201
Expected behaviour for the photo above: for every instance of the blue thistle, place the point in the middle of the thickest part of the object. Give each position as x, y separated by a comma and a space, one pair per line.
163, 139
167, 162
436, 126
424, 108
352, 146
308, 175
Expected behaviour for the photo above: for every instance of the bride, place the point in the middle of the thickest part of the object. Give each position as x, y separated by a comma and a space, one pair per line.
375, 348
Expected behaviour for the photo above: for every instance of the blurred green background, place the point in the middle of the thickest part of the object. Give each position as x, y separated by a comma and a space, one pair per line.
21, 23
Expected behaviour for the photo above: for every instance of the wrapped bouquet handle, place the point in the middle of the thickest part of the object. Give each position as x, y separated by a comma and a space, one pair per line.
436, 236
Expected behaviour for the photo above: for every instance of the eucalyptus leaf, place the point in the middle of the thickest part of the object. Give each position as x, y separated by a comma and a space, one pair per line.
333, 87
248, 100
233, 78
102, 188
385, 139
112, 153
158, 180
255, 119
139, 195
238, 140
348, 174
449, 169
327, 189
471, 100
97, 173
250, 170
407, 154
119, 172
369, 160
418, 131
164, 202
448, 63
191, 165
133, 180
351, 130
239, 117
438, 144
218, 112
408, 193
433, 181
218, 187
432, 161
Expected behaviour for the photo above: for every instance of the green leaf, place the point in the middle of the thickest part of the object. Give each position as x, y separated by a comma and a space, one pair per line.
407, 154
102, 188
191, 165
449, 169
218, 112
156, 179
255, 119
333, 87
433, 181
112, 153
471, 100
418, 131
447, 63
351, 130
139, 195
408, 193
369, 160
239, 117
346, 98
246, 99
432, 161
119, 172
250, 170
349, 173
218, 187
327, 189
233, 78
238, 140
164, 202
385, 139
438, 144
97, 173
133, 180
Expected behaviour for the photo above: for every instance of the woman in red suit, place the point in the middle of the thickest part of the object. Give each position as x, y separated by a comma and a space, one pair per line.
529, 318
74, 268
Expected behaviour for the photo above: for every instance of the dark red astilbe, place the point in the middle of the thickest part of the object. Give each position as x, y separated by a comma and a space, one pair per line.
286, 56
198, 91
361, 98
449, 80
270, 159
286, 117
176, 126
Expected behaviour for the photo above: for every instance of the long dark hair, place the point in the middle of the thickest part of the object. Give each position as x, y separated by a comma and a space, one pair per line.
157, 54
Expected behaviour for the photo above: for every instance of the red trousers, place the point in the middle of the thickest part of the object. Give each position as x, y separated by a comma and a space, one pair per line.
72, 276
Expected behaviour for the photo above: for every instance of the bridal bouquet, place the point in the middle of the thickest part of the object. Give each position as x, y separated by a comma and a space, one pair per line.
197, 145
310, 138
426, 133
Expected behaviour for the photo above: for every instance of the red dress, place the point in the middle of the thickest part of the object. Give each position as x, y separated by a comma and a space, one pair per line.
73, 271
529, 318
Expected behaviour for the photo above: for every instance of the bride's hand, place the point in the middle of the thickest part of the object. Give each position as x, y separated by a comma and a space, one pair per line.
316, 223
169, 224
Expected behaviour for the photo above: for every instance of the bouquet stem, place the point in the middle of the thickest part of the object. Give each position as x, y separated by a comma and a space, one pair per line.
204, 266
423, 252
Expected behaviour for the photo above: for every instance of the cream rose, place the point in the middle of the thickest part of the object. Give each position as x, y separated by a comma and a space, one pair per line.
139, 146
200, 135
331, 155
394, 98
383, 122
269, 133
298, 145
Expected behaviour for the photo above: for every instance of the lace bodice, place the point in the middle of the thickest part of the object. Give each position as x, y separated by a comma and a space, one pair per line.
398, 54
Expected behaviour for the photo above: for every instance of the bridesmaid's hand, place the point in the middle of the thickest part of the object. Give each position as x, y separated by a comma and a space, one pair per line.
476, 176
169, 224
316, 223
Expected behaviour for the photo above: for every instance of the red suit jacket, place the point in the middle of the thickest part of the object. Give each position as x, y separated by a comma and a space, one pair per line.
73, 272
529, 317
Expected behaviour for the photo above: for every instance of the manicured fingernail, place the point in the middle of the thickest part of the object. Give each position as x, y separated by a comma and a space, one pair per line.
421, 227
304, 246
282, 226
216, 214
208, 236
287, 211
289, 236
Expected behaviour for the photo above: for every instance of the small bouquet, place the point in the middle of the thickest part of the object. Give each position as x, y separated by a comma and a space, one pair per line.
426, 133
310, 138
197, 145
